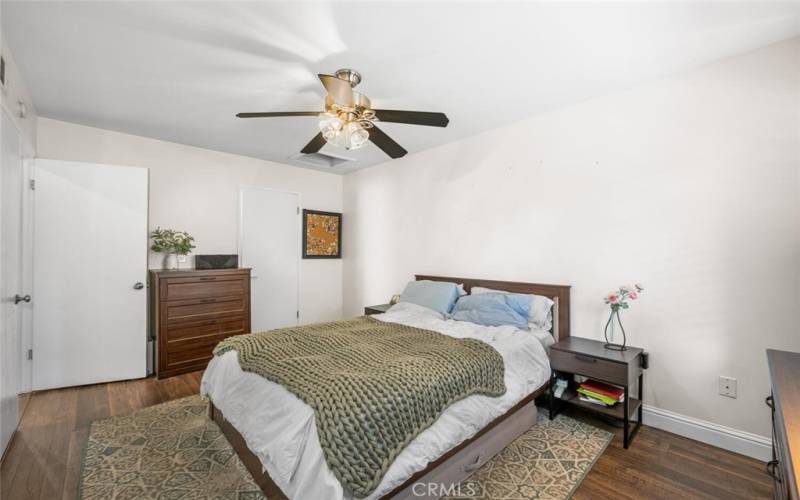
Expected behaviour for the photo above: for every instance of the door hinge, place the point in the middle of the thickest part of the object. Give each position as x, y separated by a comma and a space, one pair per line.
30, 354
32, 184
298, 210
298, 314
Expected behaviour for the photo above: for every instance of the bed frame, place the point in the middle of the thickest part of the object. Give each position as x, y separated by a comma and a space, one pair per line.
461, 461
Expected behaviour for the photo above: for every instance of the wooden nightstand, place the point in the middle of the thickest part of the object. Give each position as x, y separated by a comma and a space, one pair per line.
578, 356
369, 310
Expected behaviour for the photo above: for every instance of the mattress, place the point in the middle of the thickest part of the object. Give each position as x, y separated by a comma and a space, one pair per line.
279, 428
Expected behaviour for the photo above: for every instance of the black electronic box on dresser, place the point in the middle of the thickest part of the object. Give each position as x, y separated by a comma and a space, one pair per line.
191, 311
784, 374
589, 358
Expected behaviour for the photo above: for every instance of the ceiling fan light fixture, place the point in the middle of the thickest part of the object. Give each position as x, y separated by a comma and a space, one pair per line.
348, 119
330, 125
358, 135
343, 133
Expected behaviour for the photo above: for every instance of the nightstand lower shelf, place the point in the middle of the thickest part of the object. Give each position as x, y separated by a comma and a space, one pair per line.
616, 411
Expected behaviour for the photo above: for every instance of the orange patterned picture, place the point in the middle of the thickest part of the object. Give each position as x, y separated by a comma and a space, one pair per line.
322, 235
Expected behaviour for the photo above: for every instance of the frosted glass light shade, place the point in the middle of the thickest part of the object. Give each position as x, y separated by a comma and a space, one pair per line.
343, 135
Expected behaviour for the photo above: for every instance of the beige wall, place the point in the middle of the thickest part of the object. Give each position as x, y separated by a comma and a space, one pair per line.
690, 185
197, 190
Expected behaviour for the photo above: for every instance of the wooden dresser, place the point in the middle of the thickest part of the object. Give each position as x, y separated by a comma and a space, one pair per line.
784, 372
191, 311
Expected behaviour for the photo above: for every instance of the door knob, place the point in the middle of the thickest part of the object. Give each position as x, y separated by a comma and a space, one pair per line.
138, 286
19, 298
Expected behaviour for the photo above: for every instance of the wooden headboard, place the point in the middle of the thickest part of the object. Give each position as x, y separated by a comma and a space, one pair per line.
559, 294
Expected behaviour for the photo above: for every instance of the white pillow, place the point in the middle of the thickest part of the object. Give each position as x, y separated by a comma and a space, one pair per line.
541, 315
409, 308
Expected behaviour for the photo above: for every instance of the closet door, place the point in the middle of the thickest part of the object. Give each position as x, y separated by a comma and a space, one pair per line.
269, 243
11, 186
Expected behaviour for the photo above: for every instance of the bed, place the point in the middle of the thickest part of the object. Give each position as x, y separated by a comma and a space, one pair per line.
273, 432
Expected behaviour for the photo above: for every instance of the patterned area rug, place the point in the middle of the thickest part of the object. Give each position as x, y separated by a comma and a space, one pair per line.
548, 462
168, 451
173, 450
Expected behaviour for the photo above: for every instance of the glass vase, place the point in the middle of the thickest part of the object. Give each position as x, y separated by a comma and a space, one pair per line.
614, 331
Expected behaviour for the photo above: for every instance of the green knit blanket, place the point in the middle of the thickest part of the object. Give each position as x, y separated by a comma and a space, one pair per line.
373, 385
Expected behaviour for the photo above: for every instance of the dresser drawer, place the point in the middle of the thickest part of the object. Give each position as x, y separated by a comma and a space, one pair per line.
189, 330
196, 352
204, 286
211, 308
588, 366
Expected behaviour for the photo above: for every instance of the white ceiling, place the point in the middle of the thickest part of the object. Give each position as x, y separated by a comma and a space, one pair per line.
180, 71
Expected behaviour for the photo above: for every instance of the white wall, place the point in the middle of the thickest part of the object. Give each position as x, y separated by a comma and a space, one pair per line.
197, 190
690, 185
15, 92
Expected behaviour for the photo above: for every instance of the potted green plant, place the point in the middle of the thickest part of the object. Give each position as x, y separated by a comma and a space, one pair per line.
171, 243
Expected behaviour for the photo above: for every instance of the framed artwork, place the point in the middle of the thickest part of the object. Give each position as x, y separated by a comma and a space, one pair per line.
322, 235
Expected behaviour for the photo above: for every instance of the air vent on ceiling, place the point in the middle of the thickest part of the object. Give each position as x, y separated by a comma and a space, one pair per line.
320, 159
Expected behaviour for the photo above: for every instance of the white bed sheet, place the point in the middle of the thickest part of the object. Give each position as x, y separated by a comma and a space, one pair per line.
279, 428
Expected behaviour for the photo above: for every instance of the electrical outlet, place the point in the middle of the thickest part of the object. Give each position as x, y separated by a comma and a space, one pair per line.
727, 386
181, 258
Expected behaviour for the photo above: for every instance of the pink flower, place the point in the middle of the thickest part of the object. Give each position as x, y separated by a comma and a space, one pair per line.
612, 298
633, 295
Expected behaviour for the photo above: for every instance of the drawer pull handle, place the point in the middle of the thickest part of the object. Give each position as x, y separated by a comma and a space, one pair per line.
585, 359
469, 468
209, 278
207, 301
772, 470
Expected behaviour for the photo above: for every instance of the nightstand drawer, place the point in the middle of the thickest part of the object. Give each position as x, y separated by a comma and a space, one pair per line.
588, 366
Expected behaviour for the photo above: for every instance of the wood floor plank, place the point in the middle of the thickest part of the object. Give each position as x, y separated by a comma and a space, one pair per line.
77, 442
55, 472
37, 433
44, 459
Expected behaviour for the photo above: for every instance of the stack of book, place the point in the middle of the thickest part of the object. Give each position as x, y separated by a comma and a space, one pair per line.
600, 393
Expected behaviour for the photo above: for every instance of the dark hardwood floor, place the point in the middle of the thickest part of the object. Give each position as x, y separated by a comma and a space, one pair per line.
43, 460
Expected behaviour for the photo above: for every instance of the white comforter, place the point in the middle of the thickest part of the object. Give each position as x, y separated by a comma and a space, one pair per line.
279, 428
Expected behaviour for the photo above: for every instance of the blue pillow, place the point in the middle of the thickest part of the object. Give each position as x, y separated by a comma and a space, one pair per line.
437, 295
494, 309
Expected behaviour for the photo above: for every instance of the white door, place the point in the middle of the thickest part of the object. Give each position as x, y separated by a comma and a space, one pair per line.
269, 243
11, 185
89, 266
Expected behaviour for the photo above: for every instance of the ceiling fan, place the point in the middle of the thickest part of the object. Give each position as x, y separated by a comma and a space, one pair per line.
349, 121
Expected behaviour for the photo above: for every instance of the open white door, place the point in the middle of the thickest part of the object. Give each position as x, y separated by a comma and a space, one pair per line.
269, 243
89, 269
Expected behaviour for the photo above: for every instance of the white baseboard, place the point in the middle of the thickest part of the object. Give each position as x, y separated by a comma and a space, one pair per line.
727, 438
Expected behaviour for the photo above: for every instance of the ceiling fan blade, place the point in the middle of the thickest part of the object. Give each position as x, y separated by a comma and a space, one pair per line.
412, 117
279, 113
339, 90
315, 145
386, 143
